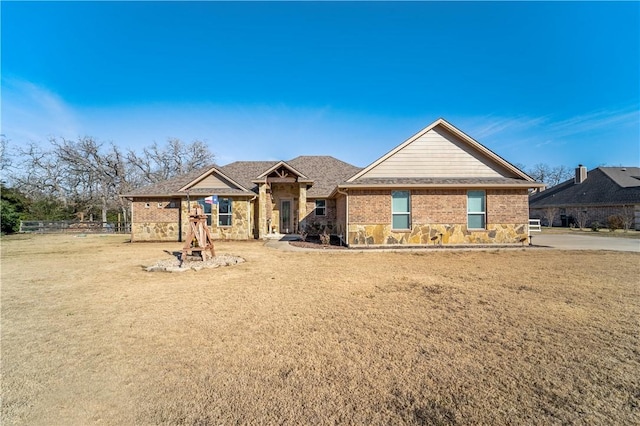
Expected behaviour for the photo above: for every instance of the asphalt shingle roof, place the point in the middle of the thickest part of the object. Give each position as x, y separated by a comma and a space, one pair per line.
326, 172
169, 186
603, 186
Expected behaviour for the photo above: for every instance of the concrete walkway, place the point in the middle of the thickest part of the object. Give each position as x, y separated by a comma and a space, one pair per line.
585, 242
556, 241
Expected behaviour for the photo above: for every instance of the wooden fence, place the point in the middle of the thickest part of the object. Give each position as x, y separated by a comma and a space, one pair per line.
73, 227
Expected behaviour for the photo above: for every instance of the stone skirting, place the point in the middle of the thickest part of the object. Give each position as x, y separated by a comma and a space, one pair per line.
379, 234
154, 231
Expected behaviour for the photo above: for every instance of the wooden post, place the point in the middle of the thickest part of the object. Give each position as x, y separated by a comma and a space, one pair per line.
198, 238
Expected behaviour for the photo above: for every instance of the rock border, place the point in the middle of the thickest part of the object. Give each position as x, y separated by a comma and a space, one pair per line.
189, 264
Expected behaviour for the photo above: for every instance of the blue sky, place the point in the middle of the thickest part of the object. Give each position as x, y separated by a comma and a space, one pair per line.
557, 83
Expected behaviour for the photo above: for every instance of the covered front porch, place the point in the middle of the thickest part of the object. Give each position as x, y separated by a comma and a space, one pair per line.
282, 201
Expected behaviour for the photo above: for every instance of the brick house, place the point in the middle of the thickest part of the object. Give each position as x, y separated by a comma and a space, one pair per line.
440, 186
591, 196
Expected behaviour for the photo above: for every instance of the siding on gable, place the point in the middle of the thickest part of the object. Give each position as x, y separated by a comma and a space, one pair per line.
434, 154
213, 181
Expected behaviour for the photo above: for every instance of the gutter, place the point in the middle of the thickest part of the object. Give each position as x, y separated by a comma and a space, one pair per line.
440, 185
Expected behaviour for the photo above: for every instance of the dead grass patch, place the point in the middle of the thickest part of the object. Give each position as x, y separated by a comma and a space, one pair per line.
491, 337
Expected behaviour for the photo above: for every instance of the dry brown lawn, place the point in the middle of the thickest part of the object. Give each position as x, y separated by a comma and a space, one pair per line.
437, 337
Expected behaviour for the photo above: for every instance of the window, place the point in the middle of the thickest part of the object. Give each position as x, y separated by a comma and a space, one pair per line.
321, 207
400, 211
224, 212
206, 207
476, 210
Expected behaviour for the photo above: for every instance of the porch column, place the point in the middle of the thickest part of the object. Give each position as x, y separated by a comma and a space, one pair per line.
302, 206
262, 210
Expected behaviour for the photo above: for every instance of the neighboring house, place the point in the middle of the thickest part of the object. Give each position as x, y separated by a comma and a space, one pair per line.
592, 196
439, 186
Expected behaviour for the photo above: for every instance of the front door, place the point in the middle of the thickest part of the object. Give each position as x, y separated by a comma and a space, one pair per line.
285, 216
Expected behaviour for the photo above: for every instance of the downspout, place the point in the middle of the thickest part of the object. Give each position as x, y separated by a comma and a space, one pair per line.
132, 239
346, 216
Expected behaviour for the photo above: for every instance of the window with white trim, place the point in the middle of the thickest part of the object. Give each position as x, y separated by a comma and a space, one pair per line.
224, 211
206, 208
400, 210
476, 210
321, 207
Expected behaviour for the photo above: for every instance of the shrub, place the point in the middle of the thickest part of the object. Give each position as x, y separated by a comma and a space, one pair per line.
325, 238
595, 226
615, 222
9, 217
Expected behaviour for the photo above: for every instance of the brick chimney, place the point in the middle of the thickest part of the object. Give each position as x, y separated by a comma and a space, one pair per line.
581, 174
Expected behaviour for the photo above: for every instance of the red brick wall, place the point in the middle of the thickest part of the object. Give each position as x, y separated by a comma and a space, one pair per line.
439, 206
159, 210
370, 206
507, 206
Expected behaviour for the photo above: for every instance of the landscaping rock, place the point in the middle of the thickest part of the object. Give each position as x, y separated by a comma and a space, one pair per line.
194, 263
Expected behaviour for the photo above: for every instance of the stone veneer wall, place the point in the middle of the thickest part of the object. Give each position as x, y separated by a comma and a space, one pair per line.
241, 211
438, 215
284, 191
158, 221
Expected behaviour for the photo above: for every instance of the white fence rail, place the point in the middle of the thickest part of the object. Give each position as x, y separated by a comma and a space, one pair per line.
534, 226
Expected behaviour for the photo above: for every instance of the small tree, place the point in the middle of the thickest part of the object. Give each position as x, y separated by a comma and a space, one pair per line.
581, 217
628, 217
550, 214
615, 222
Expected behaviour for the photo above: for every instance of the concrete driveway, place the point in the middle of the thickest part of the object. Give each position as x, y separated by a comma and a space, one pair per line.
585, 242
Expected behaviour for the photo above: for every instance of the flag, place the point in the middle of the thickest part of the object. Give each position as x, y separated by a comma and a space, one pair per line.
211, 200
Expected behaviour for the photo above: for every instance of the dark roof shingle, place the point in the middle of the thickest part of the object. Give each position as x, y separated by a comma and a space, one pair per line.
326, 173
603, 186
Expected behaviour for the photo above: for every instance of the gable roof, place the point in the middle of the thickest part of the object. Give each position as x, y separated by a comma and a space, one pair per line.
245, 172
323, 173
169, 187
603, 186
441, 151
213, 178
285, 165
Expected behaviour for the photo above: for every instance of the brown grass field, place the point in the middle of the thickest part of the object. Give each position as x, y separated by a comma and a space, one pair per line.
524, 336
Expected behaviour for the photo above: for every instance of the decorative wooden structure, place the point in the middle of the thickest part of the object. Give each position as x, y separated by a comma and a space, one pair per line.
199, 238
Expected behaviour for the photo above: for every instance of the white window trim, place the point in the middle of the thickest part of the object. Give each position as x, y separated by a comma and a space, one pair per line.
230, 214
407, 213
209, 215
324, 208
483, 213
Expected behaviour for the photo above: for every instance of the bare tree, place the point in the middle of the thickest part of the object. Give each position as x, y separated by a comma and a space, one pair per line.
628, 217
158, 163
550, 214
42, 175
581, 217
5, 158
551, 176
85, 174
100, 173
81, 172
540, 172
